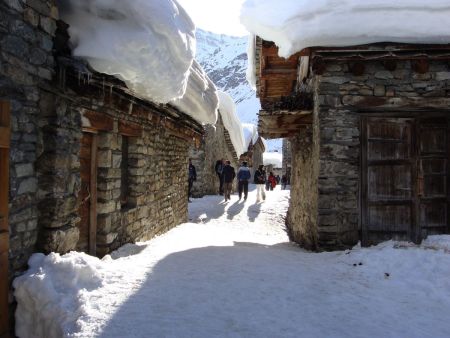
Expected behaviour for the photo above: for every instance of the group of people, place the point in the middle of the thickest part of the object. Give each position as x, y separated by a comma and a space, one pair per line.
227, 174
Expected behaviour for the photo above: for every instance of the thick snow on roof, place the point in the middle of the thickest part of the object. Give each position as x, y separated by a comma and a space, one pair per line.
232, 124
149, 44
200, 100
250, 72
296, 24
273, 158
250, 133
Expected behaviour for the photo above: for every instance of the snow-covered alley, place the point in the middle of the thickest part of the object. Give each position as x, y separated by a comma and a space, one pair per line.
231, 272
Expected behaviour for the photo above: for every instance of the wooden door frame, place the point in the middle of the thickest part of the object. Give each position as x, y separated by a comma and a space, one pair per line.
92, 247
5, 133
93, 122
416, 230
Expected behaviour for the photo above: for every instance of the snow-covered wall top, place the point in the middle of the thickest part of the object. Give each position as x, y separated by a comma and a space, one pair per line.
275, 159
231, 122
200, 100
296, 24
250, 134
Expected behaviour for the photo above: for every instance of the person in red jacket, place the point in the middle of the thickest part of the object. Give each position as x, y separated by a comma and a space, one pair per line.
272, 181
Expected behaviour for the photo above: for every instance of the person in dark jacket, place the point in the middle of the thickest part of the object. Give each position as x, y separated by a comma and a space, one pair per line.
192, 177
219, 169
260, 180
243, 175
228, 176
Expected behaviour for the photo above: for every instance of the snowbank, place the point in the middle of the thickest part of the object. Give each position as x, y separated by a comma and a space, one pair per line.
296, 24
200, 100
275, 159
227, 110
51, 294
149, 44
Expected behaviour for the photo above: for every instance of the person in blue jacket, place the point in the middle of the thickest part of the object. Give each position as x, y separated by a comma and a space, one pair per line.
243, 175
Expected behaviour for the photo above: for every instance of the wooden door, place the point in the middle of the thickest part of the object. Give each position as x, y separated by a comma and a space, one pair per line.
388, 176
4, 227
88, 194
404, 193
433, 155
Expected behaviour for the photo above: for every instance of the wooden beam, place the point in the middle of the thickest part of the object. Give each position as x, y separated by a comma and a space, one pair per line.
93, 198
4, 224
97, 121
130, 129
5, 136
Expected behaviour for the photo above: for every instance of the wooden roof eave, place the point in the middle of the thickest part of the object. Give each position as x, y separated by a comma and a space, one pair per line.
281, 124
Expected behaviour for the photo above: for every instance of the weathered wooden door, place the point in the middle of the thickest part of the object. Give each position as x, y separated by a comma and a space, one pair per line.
88, 194
404, 178
433, 178
4, 232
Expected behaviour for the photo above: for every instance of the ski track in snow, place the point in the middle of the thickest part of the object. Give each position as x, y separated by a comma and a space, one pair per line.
231, 272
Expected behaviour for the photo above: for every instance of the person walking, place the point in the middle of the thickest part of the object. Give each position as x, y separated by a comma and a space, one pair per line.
228, 176
283, 182
219, 169
192, 177
260, 179
243, 175
272, 181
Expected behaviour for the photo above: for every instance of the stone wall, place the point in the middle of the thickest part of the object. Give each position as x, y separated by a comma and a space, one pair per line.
213, 148
287, 159
47, 121
26, 62
340, 98
302, 214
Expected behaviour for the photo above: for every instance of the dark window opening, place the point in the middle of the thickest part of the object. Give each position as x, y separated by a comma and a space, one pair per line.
124, 175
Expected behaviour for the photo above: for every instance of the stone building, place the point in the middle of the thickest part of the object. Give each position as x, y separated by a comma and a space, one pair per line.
91, 166
369, 130
216, 144
255, 146
287, 159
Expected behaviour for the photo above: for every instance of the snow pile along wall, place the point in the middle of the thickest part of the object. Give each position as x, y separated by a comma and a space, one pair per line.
227, 110
275, 159
296, 24
200, 100
149, 44
52, 294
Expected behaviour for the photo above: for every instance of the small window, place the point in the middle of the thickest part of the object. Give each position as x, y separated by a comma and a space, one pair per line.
124, 174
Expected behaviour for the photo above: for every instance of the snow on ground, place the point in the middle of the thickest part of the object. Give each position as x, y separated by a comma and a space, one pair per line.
273, 158
231, 272
231, 122
296, 24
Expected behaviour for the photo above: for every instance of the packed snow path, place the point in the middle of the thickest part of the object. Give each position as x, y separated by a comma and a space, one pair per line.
233, 273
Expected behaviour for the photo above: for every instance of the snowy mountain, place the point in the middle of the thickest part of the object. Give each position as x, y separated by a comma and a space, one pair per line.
224, 58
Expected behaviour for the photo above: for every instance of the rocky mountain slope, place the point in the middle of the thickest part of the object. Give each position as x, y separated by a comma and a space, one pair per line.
224, 58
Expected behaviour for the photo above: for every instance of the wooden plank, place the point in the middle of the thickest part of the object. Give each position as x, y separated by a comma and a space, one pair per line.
130, 129
364, 187
97, 121
4, 228
5, 136
93, 199
4, 286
